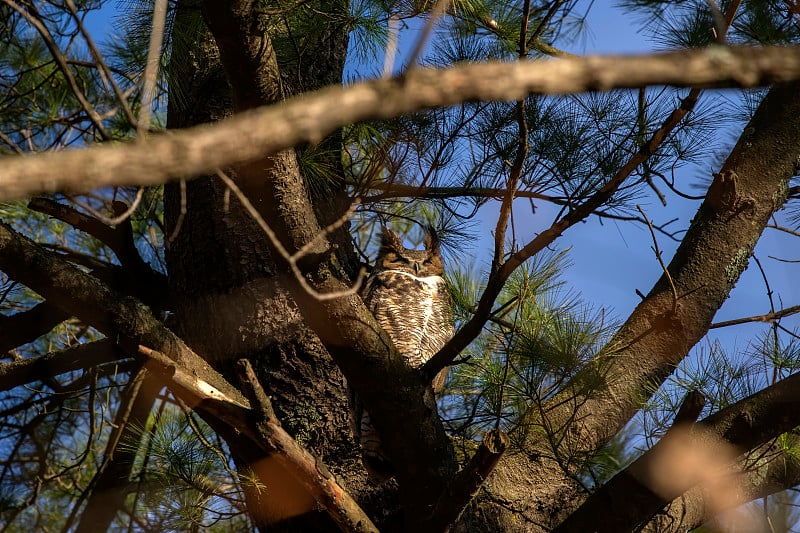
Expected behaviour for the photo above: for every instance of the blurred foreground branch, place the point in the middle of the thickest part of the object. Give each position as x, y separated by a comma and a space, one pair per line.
308, 118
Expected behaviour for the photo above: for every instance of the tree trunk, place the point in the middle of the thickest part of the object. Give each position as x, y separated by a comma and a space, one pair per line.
230, 302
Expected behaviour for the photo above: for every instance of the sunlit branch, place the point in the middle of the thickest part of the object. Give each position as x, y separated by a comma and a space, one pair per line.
306, 469
521, 154
308, 118
778, 471
652, 481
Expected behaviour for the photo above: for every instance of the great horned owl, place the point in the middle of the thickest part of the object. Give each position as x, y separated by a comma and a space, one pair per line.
407, 295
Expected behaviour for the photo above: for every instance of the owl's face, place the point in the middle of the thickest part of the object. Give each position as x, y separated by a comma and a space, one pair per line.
420, 263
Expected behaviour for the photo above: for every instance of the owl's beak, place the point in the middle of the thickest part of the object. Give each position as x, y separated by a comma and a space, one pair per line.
416, 268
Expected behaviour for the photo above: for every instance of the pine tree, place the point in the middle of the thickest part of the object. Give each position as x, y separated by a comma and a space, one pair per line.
180, 310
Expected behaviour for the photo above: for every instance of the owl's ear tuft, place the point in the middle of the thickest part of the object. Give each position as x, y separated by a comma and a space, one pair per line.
432, 240
390, 240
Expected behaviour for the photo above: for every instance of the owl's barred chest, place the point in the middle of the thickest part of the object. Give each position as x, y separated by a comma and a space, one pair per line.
412, 310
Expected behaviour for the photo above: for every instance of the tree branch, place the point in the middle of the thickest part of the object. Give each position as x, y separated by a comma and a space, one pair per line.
189, 376
468, 481
29, 325
308, 118
264, 432
656, 478
118, 317
35, 20
110, 484
602, 397
83, 356
766, 317
469, 331
135, 275
778, 469
311, 472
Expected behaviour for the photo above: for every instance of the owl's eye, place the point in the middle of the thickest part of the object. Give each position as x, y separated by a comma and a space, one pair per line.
394, 258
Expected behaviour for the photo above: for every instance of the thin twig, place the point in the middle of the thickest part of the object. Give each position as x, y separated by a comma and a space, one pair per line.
101, 66
657, 251
181, 214
767, 317
293, 259
433, 17
534, 38
784, 229
55, 52
112, 221
151, 68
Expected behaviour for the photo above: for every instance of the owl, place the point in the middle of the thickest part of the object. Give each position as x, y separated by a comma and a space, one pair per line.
407, 295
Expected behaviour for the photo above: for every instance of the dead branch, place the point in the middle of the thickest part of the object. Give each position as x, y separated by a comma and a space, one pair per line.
767, 317
307, 469
467, 482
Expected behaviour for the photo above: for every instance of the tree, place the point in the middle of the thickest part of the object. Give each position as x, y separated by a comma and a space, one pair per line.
234, 284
